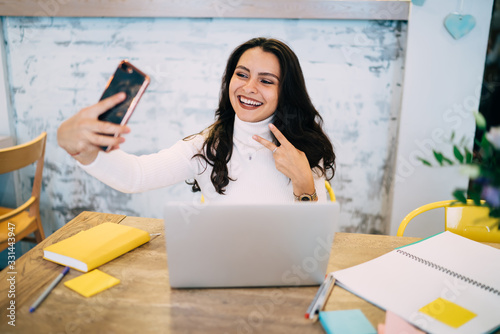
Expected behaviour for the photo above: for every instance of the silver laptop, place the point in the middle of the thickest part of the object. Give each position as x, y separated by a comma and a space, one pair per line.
248, 245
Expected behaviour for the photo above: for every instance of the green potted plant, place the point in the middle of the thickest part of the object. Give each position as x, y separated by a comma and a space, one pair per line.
482, 168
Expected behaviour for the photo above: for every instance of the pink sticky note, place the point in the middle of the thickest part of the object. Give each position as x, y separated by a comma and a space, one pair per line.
395, 325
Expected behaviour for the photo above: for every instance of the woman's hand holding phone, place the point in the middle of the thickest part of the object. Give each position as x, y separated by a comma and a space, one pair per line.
83, 135
100, 126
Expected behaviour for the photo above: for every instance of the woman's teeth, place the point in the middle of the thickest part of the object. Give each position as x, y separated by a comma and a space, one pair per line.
250, 102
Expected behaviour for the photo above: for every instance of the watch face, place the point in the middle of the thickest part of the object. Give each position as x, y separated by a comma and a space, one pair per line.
305, 198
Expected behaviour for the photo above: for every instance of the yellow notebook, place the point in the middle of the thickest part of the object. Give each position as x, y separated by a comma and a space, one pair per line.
91, 248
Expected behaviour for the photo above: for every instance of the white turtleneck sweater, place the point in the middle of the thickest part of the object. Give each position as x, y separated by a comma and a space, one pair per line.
251, 166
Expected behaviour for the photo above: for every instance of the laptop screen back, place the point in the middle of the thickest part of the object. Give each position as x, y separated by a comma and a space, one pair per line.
238, 245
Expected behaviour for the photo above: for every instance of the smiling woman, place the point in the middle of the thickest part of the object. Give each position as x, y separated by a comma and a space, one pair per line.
254, 87
266, 144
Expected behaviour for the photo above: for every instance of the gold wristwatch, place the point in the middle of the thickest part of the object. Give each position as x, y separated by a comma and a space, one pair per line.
306, 197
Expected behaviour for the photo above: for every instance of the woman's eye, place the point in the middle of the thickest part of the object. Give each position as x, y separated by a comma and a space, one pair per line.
241, 75
267, 82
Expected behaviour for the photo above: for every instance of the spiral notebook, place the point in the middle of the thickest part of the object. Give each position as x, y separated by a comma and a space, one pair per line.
442, 284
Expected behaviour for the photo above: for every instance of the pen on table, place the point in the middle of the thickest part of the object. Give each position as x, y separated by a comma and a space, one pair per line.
320, 297
48, 290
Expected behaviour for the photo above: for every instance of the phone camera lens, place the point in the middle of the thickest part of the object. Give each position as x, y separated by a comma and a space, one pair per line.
127, 68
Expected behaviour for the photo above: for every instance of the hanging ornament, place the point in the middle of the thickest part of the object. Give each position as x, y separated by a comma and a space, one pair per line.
418, 2
458, 24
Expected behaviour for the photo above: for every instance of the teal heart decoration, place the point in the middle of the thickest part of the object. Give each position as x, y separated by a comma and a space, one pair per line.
418, 2
459, 25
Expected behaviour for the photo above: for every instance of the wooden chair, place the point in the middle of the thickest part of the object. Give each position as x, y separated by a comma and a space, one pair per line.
25, 219
468, 220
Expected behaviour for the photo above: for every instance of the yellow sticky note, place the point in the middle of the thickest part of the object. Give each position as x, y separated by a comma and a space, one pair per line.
91, 283
448, 313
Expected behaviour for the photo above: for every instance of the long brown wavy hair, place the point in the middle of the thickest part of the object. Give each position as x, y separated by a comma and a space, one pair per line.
295, 117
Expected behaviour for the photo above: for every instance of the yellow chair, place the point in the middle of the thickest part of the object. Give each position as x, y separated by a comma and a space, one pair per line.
468, 220
330, 191
25, 219
327, 186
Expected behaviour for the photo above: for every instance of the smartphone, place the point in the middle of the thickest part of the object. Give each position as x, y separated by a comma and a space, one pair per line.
129, 79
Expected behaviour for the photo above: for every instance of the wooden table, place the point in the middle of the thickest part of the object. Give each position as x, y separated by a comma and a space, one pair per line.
144, 302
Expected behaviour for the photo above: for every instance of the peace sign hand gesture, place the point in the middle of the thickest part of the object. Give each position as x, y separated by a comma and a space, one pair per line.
290, 161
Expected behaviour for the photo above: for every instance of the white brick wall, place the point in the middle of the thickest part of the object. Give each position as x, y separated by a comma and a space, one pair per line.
353, 71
